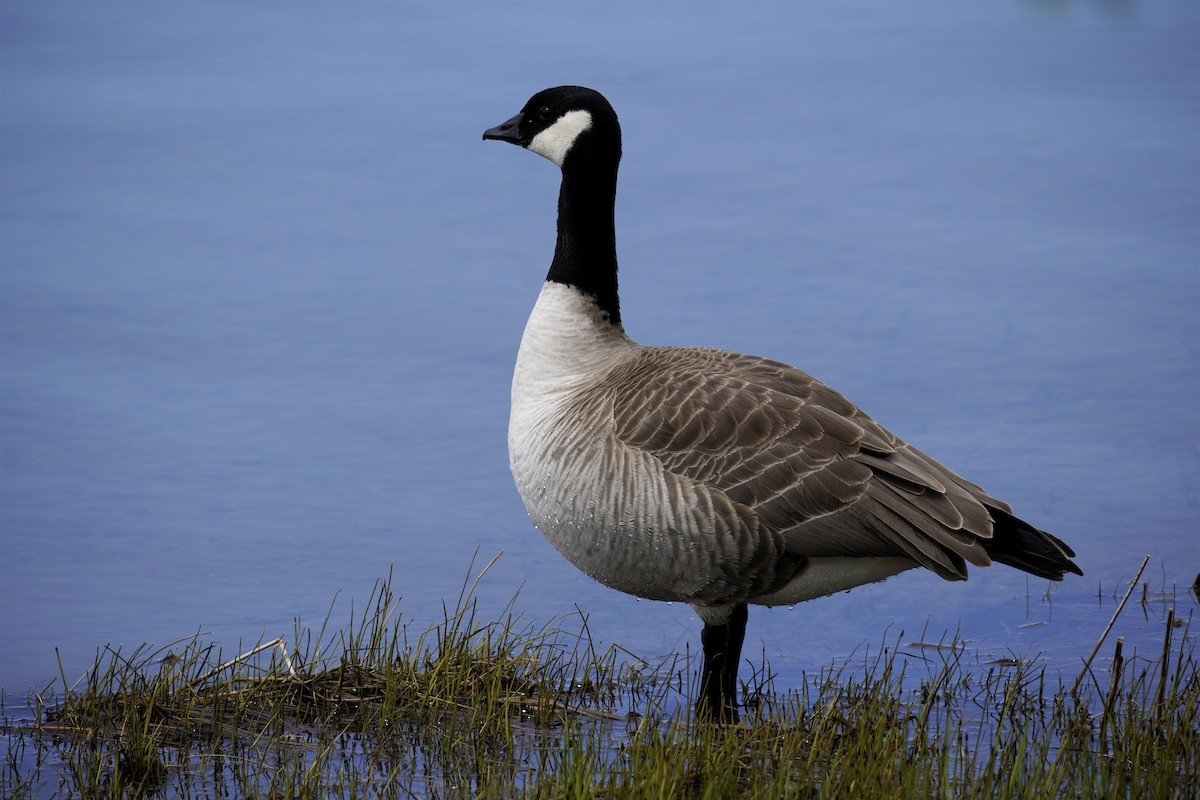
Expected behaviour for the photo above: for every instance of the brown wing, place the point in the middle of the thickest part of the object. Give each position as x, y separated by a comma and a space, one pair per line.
809, 464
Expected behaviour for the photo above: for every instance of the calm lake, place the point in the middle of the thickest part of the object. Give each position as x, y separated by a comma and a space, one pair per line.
263, 286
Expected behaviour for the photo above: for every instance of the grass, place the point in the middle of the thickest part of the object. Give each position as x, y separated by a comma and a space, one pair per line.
472, 708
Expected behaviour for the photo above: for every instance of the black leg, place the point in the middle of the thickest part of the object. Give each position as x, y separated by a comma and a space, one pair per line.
718, 678
733, 654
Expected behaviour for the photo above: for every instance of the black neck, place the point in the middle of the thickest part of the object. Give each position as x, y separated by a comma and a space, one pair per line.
586, 253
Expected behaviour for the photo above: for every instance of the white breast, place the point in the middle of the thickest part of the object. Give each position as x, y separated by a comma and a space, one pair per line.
610, 509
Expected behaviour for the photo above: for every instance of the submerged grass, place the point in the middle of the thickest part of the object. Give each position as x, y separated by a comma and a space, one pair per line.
471, 708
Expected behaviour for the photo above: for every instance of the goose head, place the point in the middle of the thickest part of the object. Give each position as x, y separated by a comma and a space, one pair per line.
565, 124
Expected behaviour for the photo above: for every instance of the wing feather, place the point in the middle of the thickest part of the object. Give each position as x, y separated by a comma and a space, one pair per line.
808, 463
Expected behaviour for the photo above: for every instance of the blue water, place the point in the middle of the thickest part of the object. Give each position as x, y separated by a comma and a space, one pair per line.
262, 288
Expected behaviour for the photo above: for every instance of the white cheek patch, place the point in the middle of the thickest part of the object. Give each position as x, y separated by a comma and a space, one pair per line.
556, 141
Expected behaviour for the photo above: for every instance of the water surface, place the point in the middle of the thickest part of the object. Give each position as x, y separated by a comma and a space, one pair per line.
262, 289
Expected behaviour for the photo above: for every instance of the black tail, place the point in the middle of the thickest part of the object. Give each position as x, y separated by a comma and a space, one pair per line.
1018, 544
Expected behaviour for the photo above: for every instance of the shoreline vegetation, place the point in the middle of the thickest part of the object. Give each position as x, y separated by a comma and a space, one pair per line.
479, 709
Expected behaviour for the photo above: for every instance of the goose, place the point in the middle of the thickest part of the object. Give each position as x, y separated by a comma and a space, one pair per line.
703, 476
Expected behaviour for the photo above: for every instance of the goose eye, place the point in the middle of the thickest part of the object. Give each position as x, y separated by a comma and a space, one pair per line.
545, 114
